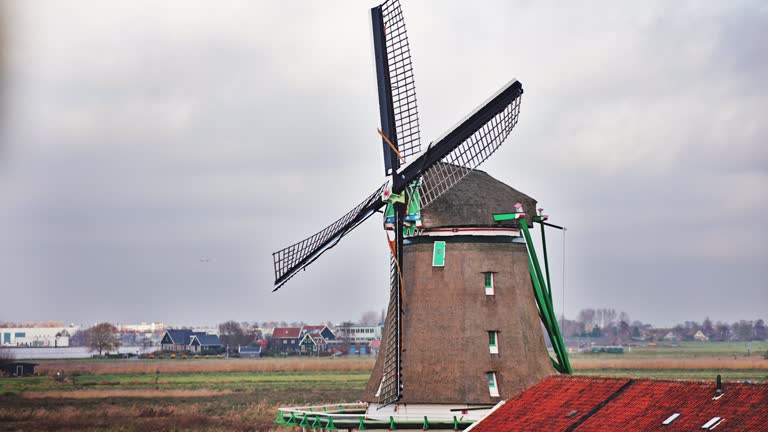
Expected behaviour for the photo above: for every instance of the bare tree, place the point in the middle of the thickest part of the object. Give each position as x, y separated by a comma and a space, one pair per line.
760, 330
103, 337
587, 317
232, 334
369, 318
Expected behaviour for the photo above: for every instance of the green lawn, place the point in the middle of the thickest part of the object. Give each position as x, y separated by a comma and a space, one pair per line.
240, 381
691, 350
702, 374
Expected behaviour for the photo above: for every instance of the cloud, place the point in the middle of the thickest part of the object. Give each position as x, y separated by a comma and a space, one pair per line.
142, 137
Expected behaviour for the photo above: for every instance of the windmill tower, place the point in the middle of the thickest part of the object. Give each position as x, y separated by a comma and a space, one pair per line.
461, 331
471, 333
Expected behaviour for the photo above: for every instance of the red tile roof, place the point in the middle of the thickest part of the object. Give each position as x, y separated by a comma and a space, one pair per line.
592, 404
286, 332
375, 343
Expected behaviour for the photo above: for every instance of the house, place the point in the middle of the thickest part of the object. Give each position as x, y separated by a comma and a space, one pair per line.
671, 337
188, 340
374, 347
591, 404
701, 337
204, 342
249, 351
322, 330
313, 343
18, 369
286, 339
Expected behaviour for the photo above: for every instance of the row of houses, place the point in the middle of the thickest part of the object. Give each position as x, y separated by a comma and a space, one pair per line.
318, 339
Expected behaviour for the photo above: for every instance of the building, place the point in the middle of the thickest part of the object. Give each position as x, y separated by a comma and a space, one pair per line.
188, 340
467, 276
152, 327
374, 347
43, 337
249, 351
18, 369
201, 342
592, 404
321, 330
286, 339
357, 338
359, 334
701, 337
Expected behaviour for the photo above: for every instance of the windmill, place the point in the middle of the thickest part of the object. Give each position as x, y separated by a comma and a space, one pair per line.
417, 180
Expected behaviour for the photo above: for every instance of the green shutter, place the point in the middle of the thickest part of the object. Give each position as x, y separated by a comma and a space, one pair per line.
438, 255
489, 280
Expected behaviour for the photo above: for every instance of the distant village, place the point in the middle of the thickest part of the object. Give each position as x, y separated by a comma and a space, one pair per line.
231, 338
593, 329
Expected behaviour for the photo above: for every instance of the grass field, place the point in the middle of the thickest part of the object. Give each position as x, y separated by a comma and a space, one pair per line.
243, 395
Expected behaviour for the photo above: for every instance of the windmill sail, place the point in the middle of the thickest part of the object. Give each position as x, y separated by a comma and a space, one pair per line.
447, 161
397, 89
472, 151
391, 381
288, 261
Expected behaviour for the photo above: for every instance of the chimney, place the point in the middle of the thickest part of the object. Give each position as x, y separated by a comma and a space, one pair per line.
719, 389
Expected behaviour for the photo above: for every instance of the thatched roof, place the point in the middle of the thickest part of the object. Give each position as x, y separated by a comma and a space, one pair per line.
473, 201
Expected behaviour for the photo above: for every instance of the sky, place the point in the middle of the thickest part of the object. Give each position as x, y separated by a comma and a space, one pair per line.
154, 155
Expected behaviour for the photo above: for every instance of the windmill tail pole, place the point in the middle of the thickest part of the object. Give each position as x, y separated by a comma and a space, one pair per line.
541, 293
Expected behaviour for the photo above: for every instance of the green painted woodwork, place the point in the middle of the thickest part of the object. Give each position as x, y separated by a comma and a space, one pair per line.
542, 289
544, 301
500, 217
438, 254
305, 421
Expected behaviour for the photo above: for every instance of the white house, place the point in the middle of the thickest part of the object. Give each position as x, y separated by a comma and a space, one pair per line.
701, 337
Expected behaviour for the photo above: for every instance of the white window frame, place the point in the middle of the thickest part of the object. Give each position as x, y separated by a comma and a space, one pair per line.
493, 347
489, 290
493, 384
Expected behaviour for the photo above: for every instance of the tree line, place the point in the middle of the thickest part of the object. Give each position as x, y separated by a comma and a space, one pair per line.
619, 328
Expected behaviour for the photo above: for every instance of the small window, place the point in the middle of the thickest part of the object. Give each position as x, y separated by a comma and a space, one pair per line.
438, 254
712, 423
493, 337
285, 341
493, 387
671, 418
20, 335
489, 289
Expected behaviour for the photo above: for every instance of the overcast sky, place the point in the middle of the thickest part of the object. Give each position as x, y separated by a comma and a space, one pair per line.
155, 154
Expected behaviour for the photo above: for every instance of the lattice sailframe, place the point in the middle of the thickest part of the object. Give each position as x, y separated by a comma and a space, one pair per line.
475, 150
402, 84
287, 261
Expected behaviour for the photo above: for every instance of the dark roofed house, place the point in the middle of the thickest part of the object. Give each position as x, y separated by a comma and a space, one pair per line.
249, 351
322, 330
286, 339
176, 340
204, 342
188, 340
592, 404
18, 369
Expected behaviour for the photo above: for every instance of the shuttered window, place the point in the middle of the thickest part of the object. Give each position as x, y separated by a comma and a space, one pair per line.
493, 387
489, 288
493, 338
